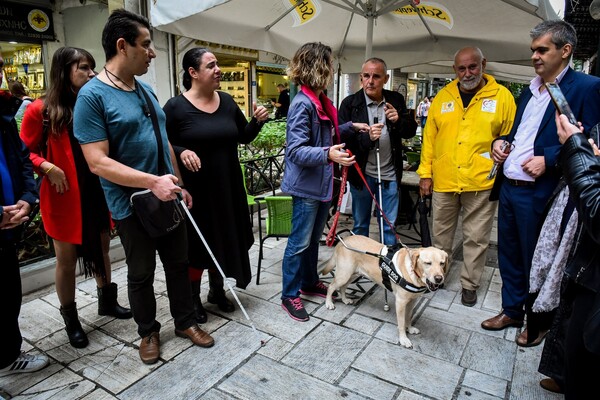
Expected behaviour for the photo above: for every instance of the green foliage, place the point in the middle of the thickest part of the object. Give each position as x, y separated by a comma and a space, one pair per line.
515, 88
269, 141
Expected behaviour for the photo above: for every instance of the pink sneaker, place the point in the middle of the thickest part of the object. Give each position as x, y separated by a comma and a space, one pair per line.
319, 289
295, 309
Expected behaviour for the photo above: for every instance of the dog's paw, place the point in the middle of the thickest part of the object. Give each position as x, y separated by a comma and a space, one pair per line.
404, 341
412, 330
348, 301
329, 304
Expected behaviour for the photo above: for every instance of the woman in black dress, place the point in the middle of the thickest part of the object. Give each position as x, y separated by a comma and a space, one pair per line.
205, 126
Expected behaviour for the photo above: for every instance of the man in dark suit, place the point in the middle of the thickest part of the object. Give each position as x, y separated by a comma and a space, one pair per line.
530, 173
385, 111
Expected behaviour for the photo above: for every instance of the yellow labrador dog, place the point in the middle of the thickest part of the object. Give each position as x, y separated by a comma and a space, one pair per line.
418, 270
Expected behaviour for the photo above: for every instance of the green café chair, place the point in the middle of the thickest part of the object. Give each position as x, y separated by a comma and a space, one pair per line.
278, 222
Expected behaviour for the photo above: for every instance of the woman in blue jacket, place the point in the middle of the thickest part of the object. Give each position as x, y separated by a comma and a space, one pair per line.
313, 146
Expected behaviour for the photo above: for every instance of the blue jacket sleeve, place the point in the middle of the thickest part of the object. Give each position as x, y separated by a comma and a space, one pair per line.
303, 140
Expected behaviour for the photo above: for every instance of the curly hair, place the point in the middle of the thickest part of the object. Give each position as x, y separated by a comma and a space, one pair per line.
312, 66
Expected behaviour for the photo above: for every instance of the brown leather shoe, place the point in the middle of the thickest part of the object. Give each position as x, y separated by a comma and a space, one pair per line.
550, 385
522, 339
500, 322
197, 336
150, 348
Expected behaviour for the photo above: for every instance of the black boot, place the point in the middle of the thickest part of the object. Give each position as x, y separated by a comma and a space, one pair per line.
107, 303
199, 311
216, 294
75, 332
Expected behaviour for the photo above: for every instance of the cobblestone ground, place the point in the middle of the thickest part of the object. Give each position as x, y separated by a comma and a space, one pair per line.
350, 352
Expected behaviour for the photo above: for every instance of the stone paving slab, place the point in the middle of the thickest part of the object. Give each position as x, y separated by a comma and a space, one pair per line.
362, 324
196, 370
525, 378
275, 348
270, 318
64, 384
350, 353
369, 386
493, 386
99, 341
409, 369
444, 342
467, 393
99, 394
327, 351
114, 368
263, 378
46, 322
490, 355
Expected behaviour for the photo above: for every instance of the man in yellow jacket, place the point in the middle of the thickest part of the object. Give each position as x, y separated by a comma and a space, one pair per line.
464, 118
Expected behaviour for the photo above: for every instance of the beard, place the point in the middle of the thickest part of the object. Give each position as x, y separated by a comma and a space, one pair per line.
472, 83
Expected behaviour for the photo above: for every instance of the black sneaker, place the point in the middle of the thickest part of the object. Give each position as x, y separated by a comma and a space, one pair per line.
468, 297
295, 309
319, 289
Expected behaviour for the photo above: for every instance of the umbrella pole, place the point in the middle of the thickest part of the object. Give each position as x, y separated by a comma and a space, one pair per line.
386, 306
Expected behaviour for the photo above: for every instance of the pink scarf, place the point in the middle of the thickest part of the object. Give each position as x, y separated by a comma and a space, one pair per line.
325, 109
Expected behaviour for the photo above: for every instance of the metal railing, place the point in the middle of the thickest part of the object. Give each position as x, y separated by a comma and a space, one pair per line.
264, 174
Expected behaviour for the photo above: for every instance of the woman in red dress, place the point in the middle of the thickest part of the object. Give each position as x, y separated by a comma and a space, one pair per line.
72, 203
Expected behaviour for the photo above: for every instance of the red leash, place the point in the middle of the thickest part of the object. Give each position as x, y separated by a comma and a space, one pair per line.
331, 235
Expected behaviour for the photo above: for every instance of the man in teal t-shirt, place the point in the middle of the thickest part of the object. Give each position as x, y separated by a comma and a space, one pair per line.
113, 123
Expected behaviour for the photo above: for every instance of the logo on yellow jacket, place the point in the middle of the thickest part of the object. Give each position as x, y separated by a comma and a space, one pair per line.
447, 107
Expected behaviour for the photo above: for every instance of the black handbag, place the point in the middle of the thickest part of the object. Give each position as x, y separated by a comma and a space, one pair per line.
156, 216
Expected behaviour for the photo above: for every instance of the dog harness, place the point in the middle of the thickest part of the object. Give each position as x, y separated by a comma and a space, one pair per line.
389, 273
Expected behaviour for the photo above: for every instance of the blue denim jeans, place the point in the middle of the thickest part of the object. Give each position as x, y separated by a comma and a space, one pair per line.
362, 205
302, 252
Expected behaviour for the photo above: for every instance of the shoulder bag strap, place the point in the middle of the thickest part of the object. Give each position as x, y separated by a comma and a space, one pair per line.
152, 112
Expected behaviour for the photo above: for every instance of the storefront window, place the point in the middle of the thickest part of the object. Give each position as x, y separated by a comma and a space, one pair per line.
234, 80
267, 81
23, 63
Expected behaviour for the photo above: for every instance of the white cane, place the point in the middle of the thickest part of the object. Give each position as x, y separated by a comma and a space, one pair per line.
184, 206
386, 307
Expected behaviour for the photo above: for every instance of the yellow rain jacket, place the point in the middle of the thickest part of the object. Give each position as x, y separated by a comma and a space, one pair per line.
457, 140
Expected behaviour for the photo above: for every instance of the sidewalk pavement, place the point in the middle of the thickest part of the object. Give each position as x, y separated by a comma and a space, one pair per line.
347, 353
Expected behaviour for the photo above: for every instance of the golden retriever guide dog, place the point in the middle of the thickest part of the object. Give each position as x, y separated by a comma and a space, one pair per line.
421, 268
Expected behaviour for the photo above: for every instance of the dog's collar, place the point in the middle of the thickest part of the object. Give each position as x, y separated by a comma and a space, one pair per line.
389, 273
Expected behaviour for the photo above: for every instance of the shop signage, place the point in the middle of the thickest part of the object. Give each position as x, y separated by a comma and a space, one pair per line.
25, 23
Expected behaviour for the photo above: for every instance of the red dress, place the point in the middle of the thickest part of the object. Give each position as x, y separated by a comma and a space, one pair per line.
61, 213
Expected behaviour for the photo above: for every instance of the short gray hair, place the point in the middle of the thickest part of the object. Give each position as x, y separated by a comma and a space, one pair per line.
476, 50
561, 32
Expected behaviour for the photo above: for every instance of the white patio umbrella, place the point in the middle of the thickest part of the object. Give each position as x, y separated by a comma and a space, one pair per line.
501, 71
402, 32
